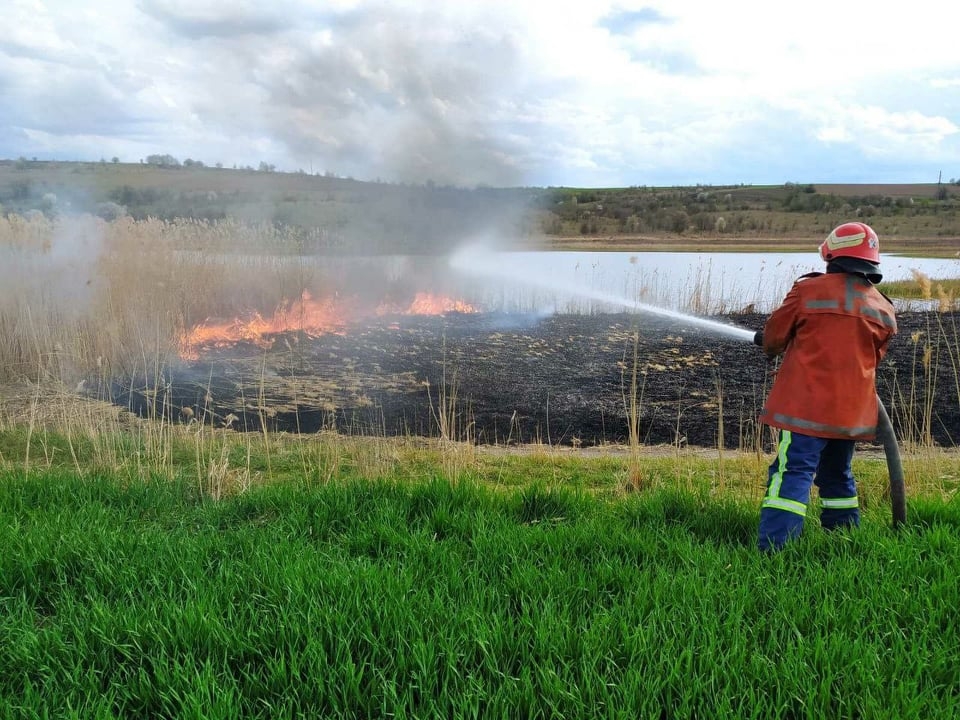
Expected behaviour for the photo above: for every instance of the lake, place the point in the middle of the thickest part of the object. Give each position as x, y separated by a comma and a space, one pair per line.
573, 282
707, 282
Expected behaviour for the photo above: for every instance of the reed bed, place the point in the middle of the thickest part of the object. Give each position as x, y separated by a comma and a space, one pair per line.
78, 293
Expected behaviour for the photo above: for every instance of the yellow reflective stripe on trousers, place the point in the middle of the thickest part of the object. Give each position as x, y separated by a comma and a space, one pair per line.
840, 503
785, 437
784, 504
773, 499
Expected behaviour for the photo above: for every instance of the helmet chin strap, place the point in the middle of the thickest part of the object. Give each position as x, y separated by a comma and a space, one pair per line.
856, 266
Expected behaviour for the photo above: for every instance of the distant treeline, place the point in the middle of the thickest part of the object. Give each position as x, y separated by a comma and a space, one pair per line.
736, 209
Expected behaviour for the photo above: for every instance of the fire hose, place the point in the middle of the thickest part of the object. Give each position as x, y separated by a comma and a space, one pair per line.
898, 493
887, 437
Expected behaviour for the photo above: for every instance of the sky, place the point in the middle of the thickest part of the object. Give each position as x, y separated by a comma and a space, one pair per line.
495, 92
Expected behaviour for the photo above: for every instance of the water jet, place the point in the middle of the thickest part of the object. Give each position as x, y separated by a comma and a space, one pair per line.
478, 262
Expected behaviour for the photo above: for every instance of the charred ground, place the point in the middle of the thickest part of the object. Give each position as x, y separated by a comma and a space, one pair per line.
562, 379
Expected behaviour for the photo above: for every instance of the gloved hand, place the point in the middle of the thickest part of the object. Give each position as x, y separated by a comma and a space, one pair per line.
758, 338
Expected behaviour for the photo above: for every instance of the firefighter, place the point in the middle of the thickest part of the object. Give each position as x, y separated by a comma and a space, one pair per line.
833, 329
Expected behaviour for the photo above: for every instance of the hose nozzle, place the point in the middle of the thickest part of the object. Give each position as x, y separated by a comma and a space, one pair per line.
758, 338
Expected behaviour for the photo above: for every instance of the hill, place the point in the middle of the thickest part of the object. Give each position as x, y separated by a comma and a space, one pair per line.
385, 217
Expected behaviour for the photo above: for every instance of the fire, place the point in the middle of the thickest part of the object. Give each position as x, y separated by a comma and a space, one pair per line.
313, 317
428, 304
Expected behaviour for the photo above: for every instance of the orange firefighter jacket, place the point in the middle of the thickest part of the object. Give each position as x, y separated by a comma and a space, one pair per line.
833, 330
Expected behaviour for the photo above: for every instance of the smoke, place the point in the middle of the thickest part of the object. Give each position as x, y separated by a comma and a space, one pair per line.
51, 262
376, 91
72, 261
406, 94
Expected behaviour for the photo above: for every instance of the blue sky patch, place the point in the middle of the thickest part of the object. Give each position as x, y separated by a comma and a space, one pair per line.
626, 22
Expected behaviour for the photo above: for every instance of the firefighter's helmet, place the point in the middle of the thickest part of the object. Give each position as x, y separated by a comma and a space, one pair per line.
853, 240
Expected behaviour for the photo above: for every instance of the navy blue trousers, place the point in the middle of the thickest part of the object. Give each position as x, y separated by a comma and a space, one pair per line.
801, 462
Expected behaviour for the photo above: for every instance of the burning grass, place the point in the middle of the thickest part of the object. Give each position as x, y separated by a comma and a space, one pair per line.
80, 293
567, 379
308, 316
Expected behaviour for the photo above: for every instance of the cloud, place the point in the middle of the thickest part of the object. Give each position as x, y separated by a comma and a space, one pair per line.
208, 19
73, 102
878, 132
494, 92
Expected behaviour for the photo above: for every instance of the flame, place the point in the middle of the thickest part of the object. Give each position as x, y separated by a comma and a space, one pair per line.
330, 315
425, 303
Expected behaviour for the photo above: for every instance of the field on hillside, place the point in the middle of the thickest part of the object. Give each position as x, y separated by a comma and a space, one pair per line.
335, 214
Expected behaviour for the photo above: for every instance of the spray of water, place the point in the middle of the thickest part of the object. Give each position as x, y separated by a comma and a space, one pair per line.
479, 262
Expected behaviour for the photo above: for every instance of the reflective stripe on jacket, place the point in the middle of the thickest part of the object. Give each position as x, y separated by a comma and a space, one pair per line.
833, 330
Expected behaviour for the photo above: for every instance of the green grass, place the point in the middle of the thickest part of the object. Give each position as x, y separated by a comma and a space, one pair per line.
924, 289
358, 598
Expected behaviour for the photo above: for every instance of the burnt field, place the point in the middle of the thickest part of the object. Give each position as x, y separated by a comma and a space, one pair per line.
500, 379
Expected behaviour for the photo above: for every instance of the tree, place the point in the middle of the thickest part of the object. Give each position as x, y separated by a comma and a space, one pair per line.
21, 189
163, 160
680, 222
48, 205
110, 210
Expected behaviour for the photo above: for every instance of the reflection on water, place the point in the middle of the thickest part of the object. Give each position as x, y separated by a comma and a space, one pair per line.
702, 283
538, 282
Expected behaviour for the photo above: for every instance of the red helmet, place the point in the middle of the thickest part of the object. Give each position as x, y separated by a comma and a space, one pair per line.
854, 240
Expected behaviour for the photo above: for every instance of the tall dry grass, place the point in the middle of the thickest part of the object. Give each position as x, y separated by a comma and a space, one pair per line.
78, 292
633, 404
917, 391
454, 423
